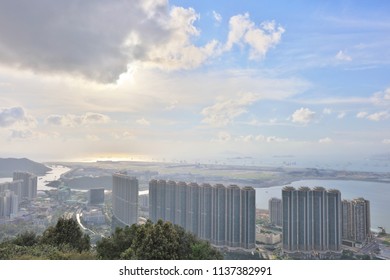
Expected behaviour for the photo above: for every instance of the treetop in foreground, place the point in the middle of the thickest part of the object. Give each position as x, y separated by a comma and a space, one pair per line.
159, 241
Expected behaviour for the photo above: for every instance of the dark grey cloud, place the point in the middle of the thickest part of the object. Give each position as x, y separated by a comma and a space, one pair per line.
93, 39
10, 116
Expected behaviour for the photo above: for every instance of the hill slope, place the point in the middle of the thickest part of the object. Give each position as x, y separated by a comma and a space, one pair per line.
9, 165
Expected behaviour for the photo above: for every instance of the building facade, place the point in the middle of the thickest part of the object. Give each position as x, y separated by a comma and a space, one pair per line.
356, 221
275, 211
95, 196
125, 198
28, 186
311, 220
224, 216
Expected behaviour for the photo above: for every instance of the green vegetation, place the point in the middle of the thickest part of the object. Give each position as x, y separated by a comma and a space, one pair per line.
66, 241
160, 241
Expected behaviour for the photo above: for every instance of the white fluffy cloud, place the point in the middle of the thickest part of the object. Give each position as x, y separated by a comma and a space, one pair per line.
361, 115
303, 116
379, 116
260, 39
342, 56
225, 111
382, 98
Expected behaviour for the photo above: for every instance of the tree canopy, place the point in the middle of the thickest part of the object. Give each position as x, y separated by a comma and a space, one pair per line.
159, 241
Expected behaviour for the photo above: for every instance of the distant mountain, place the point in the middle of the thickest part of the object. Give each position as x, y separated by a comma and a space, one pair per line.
9, 165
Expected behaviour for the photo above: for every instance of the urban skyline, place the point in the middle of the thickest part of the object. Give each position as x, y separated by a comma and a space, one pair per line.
224, 216
249, 79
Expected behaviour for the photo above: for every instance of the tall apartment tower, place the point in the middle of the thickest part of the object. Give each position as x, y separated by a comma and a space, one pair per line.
356, 220
275, 211
311, 220
248, 218
225, 216
125, 198
29, 184
9, 204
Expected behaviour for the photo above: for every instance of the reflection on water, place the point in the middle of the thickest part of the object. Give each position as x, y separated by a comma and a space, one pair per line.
4, 180
54, 174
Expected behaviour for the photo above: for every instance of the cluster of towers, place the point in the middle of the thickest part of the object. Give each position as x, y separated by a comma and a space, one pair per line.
311, 220
23, 187
225, 216
318, 221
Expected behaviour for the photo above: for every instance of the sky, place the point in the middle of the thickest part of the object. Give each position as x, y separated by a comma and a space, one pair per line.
194, 80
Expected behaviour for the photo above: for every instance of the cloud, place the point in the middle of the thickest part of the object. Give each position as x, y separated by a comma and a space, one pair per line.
178, 52
261, 138
217, 17
143, 121
341, 115
98, 39
325, 140
386, 141
92, 137
303, 115
274, 139
327, 111
222, 136
9, 116
225, 111
361, 115
70, 120
246, 138
379, 116
382, 98
260, 39
386, 94
342, 56
21, 134
15, 116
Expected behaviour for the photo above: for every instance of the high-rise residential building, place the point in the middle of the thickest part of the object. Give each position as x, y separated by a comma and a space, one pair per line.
14, 186
356, 220
311, 220
9, 204
248, 218
275, 211
125, 198
95, 196
225, 216
29, 184
206, 209
219, 215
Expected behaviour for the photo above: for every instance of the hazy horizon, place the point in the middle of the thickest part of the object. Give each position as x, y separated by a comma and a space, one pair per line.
195, 81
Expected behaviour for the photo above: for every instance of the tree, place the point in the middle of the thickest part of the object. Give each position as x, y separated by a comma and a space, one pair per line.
27, 238
159, 241
66, 233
